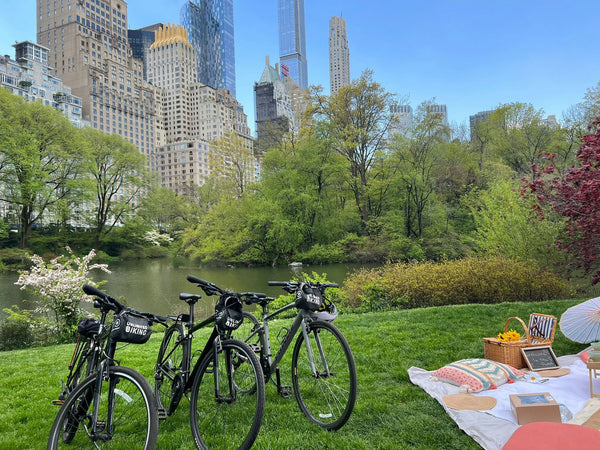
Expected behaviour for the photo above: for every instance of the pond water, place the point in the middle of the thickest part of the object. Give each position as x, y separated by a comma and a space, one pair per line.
154, 285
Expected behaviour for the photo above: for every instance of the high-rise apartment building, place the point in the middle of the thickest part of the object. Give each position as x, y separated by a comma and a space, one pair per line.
402, 115
211, 32
140, 41
476, 119
194, 115
30, 77
292, 41
339, 54
88, 49
273, 108
440, 110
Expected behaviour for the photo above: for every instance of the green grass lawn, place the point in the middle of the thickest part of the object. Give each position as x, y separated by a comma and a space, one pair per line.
390, 411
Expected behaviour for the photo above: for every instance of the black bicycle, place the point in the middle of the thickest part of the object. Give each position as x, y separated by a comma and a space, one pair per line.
323, 368
114, 406
225, 388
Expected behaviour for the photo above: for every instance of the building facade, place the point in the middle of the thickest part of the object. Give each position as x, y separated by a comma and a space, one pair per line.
475, 120
211, 32
292, 41
194, 115
140, 41
402, 115
29, 76
339, 55
89, 50
273, 108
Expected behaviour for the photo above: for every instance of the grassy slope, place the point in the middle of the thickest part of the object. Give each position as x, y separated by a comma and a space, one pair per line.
390, 412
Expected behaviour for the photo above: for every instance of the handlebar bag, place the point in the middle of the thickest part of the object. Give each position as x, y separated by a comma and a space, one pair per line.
308, 298
89, 327
228, 312
131, 328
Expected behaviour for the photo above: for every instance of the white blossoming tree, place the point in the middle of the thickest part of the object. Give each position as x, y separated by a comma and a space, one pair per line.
57, 284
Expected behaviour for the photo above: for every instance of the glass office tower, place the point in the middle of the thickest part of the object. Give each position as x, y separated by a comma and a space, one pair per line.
292, 41
209, 24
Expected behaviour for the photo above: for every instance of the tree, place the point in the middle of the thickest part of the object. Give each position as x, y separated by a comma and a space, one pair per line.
576, 199
119, 176
417, 158
41, 158
167, 211
357, 117
233, 163
521, 136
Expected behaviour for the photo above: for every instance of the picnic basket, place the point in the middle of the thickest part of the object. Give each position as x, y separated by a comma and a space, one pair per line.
539, 332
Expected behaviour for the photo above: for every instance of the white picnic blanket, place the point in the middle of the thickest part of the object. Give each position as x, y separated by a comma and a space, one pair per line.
491, 429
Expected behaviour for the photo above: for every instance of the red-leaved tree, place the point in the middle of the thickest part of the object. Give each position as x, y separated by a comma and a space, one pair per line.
576, 197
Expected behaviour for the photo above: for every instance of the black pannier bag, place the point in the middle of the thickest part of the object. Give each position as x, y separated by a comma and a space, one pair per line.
131, 328
308, 298
228, 312
90, 327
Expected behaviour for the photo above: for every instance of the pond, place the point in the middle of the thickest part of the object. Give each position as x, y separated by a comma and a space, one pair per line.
154, 285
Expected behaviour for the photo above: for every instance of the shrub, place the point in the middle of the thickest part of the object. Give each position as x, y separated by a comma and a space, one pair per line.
470, 280
15, 334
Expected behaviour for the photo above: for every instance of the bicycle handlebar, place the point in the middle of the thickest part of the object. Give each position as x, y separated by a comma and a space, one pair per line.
293, 285
208, 287
111, 303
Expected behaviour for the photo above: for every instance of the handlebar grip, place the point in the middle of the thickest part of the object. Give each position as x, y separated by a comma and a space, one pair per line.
91, 290
193, 279
278, 283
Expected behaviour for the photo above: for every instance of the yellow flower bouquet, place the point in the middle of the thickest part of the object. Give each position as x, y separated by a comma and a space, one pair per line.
509, 336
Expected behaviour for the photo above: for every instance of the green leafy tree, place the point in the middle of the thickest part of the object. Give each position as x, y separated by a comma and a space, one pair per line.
357, 118
233, 164
119, 178
41, 158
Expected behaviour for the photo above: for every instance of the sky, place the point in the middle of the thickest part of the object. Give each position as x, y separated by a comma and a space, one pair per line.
471, 55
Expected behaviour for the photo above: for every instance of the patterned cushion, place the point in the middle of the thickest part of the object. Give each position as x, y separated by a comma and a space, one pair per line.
475, 374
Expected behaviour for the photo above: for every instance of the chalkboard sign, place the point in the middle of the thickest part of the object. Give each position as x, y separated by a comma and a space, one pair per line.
540, 358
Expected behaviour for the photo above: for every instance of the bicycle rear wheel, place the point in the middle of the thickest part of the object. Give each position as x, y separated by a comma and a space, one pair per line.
168, 382
228, 398
127, 416
327, 395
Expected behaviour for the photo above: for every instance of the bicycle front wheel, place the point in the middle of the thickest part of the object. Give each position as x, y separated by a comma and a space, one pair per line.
168, 381
127, 416
324, 376
228, 398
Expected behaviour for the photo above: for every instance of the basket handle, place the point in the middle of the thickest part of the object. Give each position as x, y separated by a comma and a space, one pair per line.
527, 336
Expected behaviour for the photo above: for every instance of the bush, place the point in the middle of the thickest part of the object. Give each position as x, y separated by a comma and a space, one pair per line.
470, 280
15, 335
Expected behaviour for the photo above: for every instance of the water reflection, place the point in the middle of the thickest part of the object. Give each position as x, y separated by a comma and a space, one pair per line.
154, 285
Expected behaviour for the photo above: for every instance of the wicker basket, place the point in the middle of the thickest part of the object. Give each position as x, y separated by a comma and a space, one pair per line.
510, 352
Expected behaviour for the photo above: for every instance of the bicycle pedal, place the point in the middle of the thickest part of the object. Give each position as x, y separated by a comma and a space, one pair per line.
285, 391
162, 414
255, 347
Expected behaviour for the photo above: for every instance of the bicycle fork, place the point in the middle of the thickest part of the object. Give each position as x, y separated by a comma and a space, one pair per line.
217, 347
306, 334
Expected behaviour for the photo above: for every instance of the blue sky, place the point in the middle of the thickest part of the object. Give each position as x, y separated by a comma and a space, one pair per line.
471, 55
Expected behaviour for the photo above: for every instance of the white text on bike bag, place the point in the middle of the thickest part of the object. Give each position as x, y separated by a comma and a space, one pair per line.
131, 328
308, 298
228, 312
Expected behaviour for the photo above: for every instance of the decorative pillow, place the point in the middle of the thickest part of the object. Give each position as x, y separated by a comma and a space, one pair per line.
475, 374
584, 356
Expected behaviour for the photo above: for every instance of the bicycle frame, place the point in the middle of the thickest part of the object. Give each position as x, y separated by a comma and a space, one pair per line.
301, 321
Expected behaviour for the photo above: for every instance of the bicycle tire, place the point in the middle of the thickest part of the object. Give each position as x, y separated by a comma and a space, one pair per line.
168, 381
135, 417
234, 422
328, 398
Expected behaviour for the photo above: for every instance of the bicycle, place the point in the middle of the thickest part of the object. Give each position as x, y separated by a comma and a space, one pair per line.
114, 406
323, 367
225, 388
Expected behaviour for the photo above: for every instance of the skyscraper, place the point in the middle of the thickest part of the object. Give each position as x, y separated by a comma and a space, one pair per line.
88, 48
140, 41
194, 115
273, 106
210, 31
339, 55
292, 41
